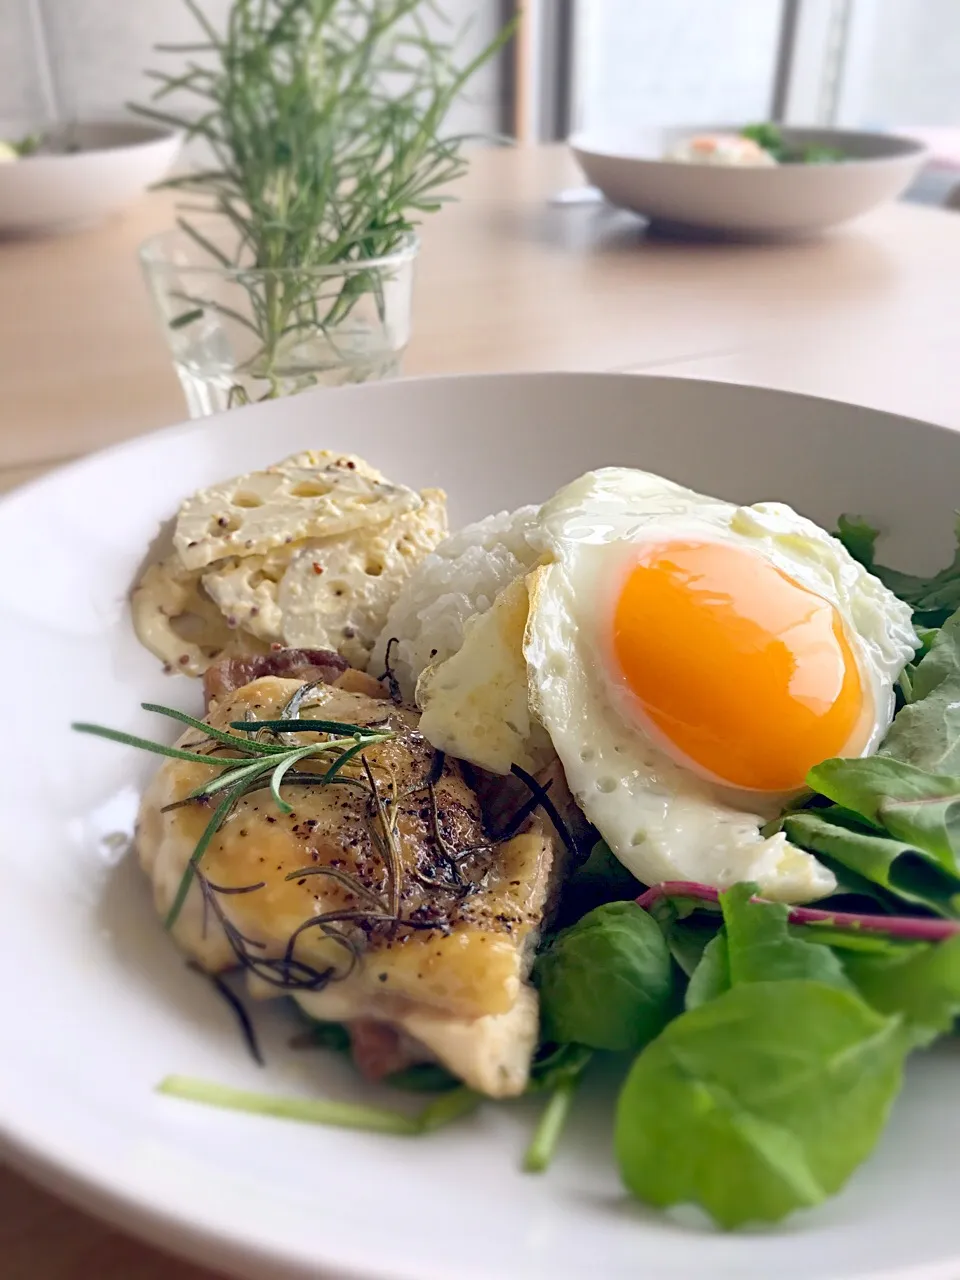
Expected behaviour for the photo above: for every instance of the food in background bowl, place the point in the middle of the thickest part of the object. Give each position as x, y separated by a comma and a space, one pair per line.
758, 146
721, 149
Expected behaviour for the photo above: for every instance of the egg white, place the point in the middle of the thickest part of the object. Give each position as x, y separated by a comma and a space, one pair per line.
662, 817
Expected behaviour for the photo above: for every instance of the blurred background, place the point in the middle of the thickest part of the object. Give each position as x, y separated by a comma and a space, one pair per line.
579, 63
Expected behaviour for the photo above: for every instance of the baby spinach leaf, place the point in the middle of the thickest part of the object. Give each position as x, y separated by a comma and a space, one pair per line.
761, 948
556, 1063
687, 929
602, 878
761, 1102
608, 981
896, 866
859, 538
757, 945
933, 599
711, 977
920, 982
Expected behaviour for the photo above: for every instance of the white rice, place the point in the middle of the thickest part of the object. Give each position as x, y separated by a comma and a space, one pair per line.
458, 579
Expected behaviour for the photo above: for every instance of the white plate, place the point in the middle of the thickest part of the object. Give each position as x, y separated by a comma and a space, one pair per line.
98, 1007
117, 161
785, 200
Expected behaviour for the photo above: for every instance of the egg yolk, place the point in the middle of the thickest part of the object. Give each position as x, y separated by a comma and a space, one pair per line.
748, 674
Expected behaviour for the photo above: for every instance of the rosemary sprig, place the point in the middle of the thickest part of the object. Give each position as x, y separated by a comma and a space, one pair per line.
256, 764
325, 120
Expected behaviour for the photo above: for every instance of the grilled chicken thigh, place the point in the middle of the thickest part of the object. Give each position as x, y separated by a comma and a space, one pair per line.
406, 923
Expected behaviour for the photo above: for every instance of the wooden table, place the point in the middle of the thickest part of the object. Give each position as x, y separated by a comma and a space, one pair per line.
507, 281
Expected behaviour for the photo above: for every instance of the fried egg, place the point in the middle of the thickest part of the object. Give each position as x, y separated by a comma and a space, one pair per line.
726, 149
691, 660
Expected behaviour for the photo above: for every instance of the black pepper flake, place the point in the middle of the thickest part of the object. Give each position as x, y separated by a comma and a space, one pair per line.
382, 977
222, 521
301, 881
271, 818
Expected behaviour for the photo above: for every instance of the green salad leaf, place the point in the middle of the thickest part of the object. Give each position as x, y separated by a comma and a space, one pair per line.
711, 977
687, 929
848, 846
757, 945
765, 135
602, 878
921, 982
761, 948
919, 808
895, 820
770, 137
932, 599
558, 1074
926, 732
760, 1102
608, 981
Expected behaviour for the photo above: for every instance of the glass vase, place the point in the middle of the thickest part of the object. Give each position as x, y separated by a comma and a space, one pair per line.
240, 333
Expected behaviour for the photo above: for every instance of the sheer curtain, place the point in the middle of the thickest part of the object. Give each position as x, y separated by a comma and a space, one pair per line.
640, 62
901, 64
860, 63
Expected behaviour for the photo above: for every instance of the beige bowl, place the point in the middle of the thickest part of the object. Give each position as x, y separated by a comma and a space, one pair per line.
116, 162
784, 200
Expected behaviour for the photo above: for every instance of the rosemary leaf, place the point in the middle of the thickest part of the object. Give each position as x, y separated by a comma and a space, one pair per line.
276, 778
144, 744
299, 726
246, 745
220, 815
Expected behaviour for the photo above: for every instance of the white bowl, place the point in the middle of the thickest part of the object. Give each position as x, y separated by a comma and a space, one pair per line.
784, 200
98, 1006
116, 162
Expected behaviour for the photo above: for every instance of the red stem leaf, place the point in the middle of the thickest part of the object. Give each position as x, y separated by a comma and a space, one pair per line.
918, 928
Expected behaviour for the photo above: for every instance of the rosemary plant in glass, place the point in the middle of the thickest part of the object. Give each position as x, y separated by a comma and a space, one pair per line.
292, 261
